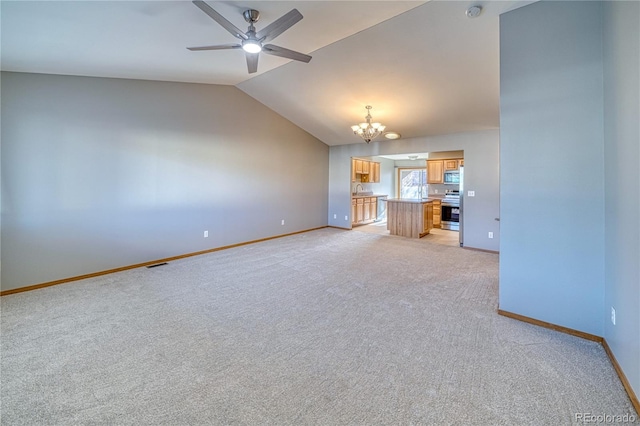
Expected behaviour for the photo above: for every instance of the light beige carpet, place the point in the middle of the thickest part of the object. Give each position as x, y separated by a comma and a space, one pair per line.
327, 327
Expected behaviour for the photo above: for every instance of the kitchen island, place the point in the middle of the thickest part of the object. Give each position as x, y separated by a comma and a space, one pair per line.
409, 217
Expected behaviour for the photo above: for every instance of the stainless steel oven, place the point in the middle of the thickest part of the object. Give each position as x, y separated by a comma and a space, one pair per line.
450, 211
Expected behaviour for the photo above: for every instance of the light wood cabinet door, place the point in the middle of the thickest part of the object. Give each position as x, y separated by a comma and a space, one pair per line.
358, 166
427, 217
460, 163
373, 209
451, 164
366, 167
359, 210
353, 211
353, 170
437, 213
375, 172
435, 170
367, 209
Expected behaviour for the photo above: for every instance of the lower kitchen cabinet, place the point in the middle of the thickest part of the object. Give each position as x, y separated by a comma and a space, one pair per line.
427, 218
373, 209
437, 213
353, 210
364, 210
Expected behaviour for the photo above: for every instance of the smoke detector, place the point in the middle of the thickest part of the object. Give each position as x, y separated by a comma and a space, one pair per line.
474, 11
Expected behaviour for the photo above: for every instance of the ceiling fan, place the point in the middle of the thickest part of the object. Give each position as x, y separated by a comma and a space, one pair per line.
252, 42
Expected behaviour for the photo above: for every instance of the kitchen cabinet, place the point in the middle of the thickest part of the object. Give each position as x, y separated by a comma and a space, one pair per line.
437, 213
366, 171
357, 165
436, 168
375, 172
364, 210
373, 209
450, 165
427, 218
359, 210
353, 210
435, 171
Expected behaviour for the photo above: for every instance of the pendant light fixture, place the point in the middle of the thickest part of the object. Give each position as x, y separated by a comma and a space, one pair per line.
368, 130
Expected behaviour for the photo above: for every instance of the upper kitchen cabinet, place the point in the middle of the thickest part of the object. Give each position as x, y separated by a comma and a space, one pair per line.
366, 167
367, 171
453, 164
450, 165
357, 165
375, 172
435, 171
436, 168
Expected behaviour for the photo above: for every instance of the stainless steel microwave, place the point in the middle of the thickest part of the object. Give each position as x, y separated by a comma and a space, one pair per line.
452, 177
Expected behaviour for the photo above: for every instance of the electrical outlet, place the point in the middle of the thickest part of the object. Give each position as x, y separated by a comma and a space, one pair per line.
436, 191
335, 216
206, 234
282, 222
471, 193
490, 234
613, 316
346, 218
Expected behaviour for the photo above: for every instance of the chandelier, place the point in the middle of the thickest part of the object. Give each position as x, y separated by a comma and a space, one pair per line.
368, 130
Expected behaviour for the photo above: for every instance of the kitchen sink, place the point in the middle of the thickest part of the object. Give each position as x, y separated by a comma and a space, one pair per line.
363, 193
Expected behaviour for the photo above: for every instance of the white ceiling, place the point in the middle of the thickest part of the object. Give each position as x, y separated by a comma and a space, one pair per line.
424, 67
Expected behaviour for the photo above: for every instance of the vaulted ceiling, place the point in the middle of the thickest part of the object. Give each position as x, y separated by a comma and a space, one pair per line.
425, 67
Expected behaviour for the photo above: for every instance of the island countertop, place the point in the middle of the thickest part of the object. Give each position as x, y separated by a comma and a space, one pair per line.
411, 200
368, 195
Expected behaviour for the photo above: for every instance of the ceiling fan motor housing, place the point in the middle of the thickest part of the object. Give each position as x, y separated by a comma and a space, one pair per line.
251, 15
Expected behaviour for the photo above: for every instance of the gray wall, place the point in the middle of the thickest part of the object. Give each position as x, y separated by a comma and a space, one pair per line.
570, 185
551, 164
622, 184
104, 173
481, 157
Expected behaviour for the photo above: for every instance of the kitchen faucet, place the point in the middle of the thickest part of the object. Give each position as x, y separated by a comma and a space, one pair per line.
358, 185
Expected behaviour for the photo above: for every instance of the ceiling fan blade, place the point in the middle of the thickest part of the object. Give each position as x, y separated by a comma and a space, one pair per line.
285, 53
220, 19
279, 26
216, 47
252, 62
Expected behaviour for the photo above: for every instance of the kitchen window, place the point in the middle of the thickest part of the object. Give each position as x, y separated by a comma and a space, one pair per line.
412, 183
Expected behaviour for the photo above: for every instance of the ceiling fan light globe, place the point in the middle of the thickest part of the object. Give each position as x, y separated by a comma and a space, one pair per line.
251, 46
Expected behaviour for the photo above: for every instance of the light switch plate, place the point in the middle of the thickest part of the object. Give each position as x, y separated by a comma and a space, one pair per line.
471, 193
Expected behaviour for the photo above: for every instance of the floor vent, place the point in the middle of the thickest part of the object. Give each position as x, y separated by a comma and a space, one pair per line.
157, 264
